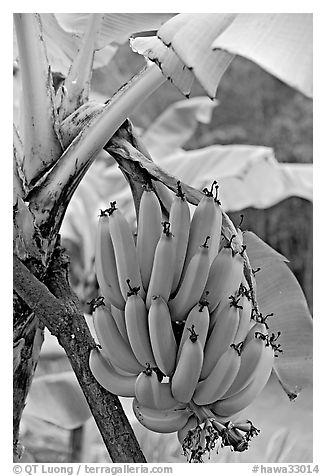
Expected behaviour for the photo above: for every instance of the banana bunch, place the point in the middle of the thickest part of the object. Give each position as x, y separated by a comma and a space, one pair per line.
176, 323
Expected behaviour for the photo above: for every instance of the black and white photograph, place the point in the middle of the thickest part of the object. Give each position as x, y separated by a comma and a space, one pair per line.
162, 242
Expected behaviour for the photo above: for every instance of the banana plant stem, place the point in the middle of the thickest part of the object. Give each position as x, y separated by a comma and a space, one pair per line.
49, 201
41, 144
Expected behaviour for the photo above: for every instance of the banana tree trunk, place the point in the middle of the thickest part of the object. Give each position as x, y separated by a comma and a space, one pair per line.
28, 339
26, 360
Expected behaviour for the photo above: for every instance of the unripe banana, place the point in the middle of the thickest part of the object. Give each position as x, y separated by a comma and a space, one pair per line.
199, 318
109, 378
105, 264
205, 222
162, 273
161, 334
137, 327
180, 225
112, 342
152, 393
164, 399
258, 327
216, 230
244, 319
188, 369
125, 251
225, 276
165, 195
234, 404
148, 233
193, 284
222, 335
144, 388
251, 354
161, 421
190, 425
119, 317
220, 378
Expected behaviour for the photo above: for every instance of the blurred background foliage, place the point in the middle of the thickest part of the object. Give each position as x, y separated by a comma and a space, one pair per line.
254, 108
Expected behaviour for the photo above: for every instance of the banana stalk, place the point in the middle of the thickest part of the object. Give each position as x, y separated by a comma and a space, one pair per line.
41, 144
75, 90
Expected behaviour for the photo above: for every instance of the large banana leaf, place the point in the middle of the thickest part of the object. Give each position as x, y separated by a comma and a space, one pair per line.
191, 36
281, 43
175, 59
248, 176
278, 292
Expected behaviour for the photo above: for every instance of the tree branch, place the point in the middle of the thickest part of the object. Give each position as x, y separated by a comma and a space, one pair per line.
58, 309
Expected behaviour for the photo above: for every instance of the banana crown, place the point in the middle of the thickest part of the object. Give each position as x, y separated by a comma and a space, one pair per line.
196, 349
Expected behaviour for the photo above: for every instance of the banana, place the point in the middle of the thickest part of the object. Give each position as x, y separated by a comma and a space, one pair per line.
190, 425
252, 353
152, 393
105, 264
164, 194
161, 421
259, 327
119, 317
180, 225
225, 276
199, 318
204, 223
144, 388
110, 379
162, 273
165, 399
161, 334
137, 327
112, 343
216, 229
222, 335
220, 378
148, 233
186, 375
237, 402
192, 286
125, 251
244, 319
